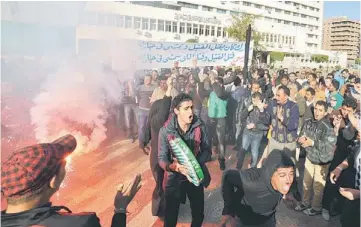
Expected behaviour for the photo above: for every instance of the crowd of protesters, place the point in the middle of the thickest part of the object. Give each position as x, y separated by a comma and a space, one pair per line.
285, 119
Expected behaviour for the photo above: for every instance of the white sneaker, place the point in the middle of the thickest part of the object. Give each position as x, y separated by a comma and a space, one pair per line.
326, 214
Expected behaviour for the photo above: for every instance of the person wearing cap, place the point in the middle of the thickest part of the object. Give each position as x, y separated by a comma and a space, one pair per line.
33, 174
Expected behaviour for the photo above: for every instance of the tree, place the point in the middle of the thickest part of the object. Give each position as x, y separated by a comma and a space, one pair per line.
277, 56
337, 67
318, 58
192, 41
238, 31
357, 61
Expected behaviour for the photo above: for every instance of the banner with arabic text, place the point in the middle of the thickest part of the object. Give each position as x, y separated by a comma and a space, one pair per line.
164, 54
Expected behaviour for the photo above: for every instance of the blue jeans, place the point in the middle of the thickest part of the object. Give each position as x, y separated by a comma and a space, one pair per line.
142, 123
130, 111
253, 139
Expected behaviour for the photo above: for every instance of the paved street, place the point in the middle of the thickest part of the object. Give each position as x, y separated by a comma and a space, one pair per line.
91, 182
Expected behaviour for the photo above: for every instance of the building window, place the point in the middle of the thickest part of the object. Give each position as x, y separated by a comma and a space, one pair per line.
266, 35
295, 24
195, 29
188, 5
128, 22
175, 27
189, 28
247, 3
296, 14
213, 31
182, 28
269, 9
206, 8
303, 16
278, 10
304, 6
309, 44
219, 31
234, 13
119, 21
221, 11
286, 39
258, 6
153, 24
303, 25
224, 32
317, 10
287, 22
102, 19
288, 12
168, 26
312, 9
271, 39
161, 25
283, 39
201, 30
279, 21
207, 30
279, 38
137, 22
145, 23
293, 40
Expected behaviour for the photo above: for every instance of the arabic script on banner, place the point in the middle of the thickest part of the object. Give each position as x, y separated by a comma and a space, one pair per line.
164, 54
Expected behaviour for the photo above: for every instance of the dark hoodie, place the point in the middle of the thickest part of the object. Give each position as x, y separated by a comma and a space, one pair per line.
255, 200
50, 216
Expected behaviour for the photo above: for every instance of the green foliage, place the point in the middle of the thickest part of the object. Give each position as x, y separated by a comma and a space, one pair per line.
337, 67
318, 58
238, 30
357, 61
192, 41
277, 56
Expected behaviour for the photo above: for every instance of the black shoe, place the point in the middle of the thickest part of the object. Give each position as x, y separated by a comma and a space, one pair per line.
222, 165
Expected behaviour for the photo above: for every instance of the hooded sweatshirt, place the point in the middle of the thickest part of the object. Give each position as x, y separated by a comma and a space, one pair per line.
48, 215
255, 200
339, 100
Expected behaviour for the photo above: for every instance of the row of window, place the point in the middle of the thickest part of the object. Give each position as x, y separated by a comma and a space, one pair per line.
270, 9
289, 23
143, 23
277, 38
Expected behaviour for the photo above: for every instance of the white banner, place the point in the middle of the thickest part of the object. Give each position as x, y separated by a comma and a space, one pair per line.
147, 55
164, 54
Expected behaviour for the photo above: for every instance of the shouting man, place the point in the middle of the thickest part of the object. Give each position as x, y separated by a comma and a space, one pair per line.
253, 194
185, 125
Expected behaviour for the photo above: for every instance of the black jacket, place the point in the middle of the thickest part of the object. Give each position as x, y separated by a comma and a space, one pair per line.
249, 193
172, 179
50, 216
324, 138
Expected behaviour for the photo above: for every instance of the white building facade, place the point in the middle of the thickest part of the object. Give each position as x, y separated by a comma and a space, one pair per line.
291, 27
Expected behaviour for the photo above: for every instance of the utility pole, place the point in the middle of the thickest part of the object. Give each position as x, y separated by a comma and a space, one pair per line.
246, 54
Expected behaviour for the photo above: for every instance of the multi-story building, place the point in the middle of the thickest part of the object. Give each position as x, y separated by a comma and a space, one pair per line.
342, 34
292, 27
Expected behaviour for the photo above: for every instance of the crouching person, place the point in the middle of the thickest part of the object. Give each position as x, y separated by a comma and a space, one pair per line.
252, 195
